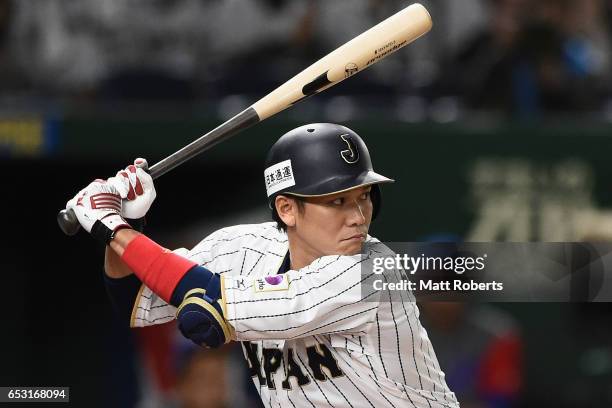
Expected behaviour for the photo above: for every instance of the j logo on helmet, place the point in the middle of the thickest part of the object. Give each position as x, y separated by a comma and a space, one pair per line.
350, 155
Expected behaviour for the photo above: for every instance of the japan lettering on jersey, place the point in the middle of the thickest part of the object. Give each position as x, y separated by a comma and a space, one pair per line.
310, 336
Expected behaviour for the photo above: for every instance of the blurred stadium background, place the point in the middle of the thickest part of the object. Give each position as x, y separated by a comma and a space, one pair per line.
496, 125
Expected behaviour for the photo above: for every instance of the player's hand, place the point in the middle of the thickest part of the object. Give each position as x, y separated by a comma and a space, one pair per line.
98, 209
136, 188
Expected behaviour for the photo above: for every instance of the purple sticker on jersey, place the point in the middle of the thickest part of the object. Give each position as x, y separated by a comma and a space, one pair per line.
274, 280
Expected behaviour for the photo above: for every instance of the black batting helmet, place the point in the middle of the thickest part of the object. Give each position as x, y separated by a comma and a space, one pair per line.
320, 159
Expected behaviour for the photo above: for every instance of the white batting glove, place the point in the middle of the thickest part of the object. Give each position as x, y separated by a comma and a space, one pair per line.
98, 209
136, 188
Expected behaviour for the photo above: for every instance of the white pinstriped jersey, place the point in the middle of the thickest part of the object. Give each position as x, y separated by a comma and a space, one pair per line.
309, 336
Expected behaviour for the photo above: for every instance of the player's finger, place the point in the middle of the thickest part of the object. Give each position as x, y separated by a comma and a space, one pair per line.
130, 184
145, 179
141, 163
120, 184
135, 179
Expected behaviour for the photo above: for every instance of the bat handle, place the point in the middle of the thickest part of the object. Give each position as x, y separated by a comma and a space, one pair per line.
68, 222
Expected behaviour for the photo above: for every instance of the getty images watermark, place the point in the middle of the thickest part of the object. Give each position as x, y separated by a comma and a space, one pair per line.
411, 264
489, 272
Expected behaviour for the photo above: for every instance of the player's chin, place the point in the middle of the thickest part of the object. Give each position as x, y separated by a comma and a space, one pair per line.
350, 247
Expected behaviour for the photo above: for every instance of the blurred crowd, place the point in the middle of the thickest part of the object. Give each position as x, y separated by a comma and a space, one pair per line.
519, 57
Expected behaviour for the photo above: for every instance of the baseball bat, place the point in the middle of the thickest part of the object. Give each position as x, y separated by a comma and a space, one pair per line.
356, 55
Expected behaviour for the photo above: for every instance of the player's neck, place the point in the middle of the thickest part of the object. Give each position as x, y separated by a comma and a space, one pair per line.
300, 254
299, 260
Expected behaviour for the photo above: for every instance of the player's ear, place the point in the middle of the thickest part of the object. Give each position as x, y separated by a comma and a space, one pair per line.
287, 209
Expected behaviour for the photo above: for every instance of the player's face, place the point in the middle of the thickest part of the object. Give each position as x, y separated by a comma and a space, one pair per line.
336, 224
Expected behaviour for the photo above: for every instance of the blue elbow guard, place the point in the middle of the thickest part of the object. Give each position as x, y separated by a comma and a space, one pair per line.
200, 317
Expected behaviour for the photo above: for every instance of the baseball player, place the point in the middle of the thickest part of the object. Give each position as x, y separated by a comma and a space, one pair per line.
288, 290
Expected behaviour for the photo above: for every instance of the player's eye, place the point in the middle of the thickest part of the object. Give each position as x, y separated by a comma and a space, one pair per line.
365, 196
338, 201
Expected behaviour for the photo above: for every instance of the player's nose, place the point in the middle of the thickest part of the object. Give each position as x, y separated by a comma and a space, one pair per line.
356, 214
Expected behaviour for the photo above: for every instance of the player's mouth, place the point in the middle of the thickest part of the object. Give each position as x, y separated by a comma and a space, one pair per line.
356, 238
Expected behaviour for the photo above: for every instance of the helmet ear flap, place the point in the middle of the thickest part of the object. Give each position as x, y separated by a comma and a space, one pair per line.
376, 198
